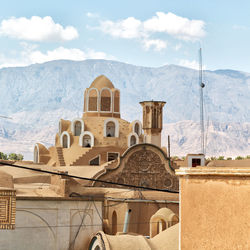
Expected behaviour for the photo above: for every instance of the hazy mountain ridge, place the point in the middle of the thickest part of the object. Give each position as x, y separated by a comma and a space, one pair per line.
39, 95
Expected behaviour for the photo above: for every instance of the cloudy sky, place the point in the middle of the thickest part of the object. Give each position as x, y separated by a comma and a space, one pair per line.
146, 33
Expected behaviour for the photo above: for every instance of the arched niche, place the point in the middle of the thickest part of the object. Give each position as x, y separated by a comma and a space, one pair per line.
106, 100
114, 223
65, 139
86, 139
116, 102
133, 139
36, 154
137, 127
77, 126
93, 96
111, 128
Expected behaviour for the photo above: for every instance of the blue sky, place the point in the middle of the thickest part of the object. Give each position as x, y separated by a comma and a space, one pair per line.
146, 33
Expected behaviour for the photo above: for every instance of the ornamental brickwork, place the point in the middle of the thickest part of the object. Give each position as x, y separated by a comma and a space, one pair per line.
7, 209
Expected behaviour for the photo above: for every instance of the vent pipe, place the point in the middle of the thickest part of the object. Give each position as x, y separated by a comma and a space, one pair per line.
126, 221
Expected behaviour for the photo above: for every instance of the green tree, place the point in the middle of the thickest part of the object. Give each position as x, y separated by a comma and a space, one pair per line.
15, 157
239, 158
248, 157
3, 156
221, 157
229, 158
19, 157
174, 158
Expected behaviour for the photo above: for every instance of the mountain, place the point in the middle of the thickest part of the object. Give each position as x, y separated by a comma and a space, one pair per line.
37, 96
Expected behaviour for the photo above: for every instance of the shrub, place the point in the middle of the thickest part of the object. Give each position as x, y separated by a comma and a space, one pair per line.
3, 156
239, 158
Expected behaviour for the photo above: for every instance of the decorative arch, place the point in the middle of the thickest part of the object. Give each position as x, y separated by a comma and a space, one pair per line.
65, 139
161, 220
116, 102
137, 127
133, 139
77, 126
93, 100
86, 138
36, 154
106, 100
106, 128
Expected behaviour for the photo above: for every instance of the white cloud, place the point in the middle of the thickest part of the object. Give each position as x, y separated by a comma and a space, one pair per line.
240, 27
67, 54
92, 15
156, 44
162, 23
31, 55
178, 26
37, 29
177, 47
189, 64
127, 28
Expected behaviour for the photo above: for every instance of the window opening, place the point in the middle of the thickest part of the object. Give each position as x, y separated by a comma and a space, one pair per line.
65, 141
78, 128
196, 162
86, 143
110, 129
132, 140
112, 156
95, 161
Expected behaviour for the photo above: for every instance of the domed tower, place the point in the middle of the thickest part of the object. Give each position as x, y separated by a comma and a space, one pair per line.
102, 99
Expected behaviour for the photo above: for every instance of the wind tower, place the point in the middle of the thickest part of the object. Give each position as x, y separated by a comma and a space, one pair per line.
152, 121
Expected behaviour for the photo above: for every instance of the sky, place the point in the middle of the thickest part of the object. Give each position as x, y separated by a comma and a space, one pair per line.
146, 33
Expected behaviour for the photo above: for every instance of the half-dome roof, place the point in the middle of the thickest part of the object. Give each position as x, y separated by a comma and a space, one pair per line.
101, 82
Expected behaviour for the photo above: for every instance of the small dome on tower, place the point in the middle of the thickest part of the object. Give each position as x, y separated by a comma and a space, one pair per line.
102, 82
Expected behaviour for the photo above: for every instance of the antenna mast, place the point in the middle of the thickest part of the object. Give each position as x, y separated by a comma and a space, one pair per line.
202, 85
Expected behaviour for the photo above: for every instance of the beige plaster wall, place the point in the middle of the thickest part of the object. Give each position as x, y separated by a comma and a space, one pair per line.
51, 224
215, 212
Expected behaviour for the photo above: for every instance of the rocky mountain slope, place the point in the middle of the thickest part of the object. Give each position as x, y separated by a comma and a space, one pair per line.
37, 96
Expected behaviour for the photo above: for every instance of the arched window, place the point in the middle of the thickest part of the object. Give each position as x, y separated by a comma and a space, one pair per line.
92, 100
78, 128
132, 140
106, 100
36, 154
65, 139
86, 139
114, 223
161, 226
137, 127
117, 101
110, 129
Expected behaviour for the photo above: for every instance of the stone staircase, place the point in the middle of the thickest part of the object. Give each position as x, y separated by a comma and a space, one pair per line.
60, 156
80, 159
